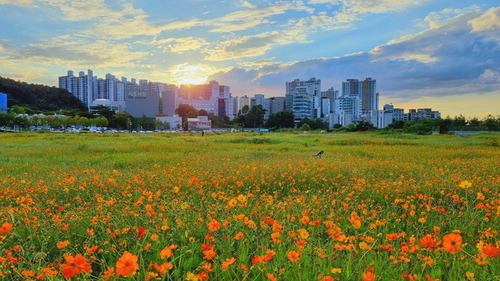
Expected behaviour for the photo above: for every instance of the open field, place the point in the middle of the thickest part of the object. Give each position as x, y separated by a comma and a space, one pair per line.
249, 206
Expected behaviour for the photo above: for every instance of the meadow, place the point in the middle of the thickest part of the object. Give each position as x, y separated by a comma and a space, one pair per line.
249, 206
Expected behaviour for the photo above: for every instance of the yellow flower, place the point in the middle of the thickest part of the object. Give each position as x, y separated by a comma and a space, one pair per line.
336, 270
465, 184
191, 277
470, 276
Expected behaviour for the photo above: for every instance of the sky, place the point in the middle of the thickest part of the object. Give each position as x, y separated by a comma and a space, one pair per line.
439, 54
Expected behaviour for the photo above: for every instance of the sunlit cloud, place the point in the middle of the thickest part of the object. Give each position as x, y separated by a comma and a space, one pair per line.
372, 6
22, 3
191, 73
181, 45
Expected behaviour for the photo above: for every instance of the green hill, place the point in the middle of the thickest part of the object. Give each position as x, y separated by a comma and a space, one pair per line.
39, 97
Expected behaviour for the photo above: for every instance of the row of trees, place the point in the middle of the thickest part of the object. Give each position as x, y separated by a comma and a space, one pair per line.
248, 118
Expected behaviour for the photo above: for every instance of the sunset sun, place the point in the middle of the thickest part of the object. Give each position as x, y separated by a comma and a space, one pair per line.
191, 73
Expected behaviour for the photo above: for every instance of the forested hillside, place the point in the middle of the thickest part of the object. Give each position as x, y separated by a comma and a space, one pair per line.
38, 97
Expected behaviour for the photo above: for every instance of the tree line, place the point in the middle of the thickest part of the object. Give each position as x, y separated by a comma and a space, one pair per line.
28, 99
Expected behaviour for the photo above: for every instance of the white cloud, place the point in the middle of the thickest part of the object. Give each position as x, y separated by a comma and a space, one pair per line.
247, 4
371, 6
448, 13
22, 3
489, 21
245, 19
181, 45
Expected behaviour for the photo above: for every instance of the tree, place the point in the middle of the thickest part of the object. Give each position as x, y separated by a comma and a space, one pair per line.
120, 120
318, 124
364, 126
102, 110
255, 117
245, 109
100, 121
281, 119
186, 111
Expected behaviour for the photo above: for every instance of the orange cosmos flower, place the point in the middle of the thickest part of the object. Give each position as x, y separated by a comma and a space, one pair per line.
62, 244
6, 227
452, 243
368, 276
271, 277
355, 220
225, 264
275, 237
428, 241
28, 273
47, 271
127, 264
411, 277
213, 225
203, 276
91, 250
491, 251
108, 273
167, 252
239, 235
75, 265
293, 256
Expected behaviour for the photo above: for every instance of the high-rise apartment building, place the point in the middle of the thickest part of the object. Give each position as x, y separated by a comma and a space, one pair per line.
300, 98
365, 90
81, 87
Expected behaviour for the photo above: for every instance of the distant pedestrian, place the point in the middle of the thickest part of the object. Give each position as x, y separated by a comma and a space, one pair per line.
202, 133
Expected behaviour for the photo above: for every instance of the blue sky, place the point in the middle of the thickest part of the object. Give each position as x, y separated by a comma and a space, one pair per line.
440, 54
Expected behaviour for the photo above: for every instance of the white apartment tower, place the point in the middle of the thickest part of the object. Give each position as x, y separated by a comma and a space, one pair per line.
302, 98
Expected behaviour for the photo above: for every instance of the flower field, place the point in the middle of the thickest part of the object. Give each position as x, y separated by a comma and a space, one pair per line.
249, 206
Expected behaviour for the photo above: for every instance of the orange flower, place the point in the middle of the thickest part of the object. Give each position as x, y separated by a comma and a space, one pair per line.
428, 241
411, 277
127, 264
47, 271
293, 256
203, 276
368, 276
108, 273
225, 264
62, 244
166, 253
355, 220
452, 243
239, 235
28, 273
91, 250
275, 237
163, 268
213, 225
75, 265
491, 251
271, 277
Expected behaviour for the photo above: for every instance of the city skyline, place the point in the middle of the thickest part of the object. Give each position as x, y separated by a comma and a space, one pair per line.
443, 55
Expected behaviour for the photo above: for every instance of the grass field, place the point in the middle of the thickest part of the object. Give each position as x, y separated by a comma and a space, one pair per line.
249, 206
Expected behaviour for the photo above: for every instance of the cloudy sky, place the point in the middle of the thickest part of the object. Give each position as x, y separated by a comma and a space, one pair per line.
442, 54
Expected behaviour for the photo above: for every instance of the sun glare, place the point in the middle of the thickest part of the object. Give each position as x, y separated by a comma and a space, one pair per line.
191, 73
